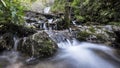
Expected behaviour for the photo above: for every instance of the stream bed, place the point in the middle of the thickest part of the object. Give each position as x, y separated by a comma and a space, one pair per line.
71, 54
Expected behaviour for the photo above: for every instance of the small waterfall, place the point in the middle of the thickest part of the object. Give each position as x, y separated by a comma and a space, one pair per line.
50, 20
33, 49
71, 54
74, 23
83, 54
32, 58
24, 39
16, 41
47, 10
44, 26
87, 55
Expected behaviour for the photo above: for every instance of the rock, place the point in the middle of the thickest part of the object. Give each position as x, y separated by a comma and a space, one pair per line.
97, 34
24, 40
38, 45
18, 30
7, 42
116, 43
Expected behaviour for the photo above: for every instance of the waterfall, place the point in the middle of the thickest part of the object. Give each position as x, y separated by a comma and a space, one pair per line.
71, 54
44, 26
87, 55
16, 41
47, 10
24, 39
82, 54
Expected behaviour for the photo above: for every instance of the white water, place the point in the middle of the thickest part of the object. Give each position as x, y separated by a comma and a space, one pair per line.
47, 10
82, 55
16, 41
44, 26
71, 54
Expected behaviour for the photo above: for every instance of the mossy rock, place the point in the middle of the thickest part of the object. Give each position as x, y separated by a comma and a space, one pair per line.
38, 45
83, 35
18, 30
7, 42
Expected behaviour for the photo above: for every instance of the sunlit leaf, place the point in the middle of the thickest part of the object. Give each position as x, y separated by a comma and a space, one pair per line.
4, 3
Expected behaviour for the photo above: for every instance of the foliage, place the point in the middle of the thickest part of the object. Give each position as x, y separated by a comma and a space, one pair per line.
58, 6
83, 35
114, 23
101, 11
11, 11
27, 3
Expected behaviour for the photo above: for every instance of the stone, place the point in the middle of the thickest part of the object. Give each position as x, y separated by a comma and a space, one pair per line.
38, 45
97, 34
7, 42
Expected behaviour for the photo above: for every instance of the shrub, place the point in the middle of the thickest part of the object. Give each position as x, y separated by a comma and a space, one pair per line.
101, 11
11, 11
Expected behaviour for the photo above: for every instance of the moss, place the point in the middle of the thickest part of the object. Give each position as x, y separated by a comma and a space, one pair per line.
58, 6
83, 35
92, 29
114, 23
100, 37
110, 33
44, 47
19, 30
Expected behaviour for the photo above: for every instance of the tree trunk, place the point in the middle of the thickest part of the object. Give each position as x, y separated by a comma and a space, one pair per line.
67, 15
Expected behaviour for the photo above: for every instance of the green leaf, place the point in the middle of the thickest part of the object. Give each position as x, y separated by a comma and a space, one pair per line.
4, 3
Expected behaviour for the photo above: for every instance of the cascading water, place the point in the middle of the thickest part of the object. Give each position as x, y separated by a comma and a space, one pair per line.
10, 57
75, 54
86, 55
44, 26
71, 54
47, 10
16, 41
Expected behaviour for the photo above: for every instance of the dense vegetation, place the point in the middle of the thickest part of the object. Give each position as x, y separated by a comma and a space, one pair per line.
100, 11
12, 11
89, 13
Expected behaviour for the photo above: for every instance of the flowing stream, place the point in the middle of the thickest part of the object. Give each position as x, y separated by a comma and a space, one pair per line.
71, 54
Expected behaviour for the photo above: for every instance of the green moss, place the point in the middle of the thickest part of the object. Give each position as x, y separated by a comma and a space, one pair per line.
100, 37
114, 23
80, 18
58, 6
83, 35
11, 11
92, 29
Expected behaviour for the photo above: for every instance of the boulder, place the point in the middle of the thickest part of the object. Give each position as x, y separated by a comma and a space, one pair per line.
26, 40
15, 29
37, 45
97, 34
116, 43
6, 41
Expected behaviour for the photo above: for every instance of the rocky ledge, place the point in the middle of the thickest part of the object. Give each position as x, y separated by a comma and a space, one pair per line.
38, 45
29, 42
108, 34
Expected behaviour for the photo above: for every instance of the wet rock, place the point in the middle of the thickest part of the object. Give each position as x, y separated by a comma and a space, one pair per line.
38, 45
61, 36
18, 30
7, 42
116, 43
14, 37
97, 34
